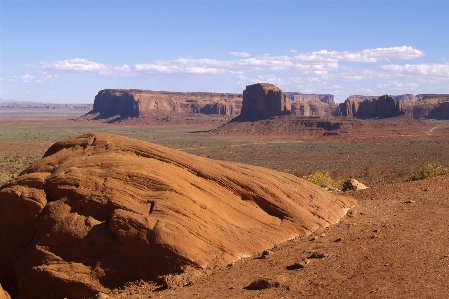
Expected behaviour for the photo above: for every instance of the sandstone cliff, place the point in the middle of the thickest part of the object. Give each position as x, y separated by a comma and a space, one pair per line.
100, 210
382, 107
433, 107
263, 100
312, 108
313, 97
146, 103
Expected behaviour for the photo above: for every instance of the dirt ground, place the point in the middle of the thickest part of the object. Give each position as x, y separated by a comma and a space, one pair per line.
394, 244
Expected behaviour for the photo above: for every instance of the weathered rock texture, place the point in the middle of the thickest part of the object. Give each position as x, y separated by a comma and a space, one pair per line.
99, 210
3, 294
264, 100
382, 107
312, 97
431, 107
147, 103
318, 109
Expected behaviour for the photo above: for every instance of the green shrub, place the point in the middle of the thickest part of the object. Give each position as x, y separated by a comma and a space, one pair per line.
429, 170
324, 180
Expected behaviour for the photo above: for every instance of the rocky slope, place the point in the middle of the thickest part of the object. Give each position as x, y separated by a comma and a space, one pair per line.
100, 210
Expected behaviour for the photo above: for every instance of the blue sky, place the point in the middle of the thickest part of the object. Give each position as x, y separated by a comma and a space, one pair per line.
66, 51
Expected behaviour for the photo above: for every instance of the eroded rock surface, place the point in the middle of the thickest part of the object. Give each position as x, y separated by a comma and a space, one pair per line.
264, 100
100, 210
147, 103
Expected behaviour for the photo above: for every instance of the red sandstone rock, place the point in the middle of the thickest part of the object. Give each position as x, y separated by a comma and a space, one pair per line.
306, 109
100, 210
146, 103
264, 100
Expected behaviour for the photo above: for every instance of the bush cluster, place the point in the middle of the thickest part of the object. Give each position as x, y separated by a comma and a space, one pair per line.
324, 180
429, 170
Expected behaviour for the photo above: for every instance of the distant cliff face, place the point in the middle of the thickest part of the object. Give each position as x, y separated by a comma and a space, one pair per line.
313, 97
431, 107
316, 108
263, 100
382, 107
145, 103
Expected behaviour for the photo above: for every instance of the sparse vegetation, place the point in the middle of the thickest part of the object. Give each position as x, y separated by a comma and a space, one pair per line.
429, 170
324, 180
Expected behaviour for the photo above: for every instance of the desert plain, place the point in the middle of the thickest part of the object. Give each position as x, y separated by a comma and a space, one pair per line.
393, 244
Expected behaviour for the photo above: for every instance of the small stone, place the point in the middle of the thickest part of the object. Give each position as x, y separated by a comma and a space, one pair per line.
338, 240
267, 283
410, 201
317, 255
266, 253
298, 264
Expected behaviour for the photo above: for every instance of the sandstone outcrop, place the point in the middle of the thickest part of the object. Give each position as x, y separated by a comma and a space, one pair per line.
147, 103
100, 210
348, 108
382, 107
314, 109
263, 100
430, 108
312, 97
353, 184
3, 294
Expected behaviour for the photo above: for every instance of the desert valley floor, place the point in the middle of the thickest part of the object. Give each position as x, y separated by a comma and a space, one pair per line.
393, 244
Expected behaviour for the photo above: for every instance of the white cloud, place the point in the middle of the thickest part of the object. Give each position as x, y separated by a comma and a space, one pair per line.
72, 65
240, 54
27, 78
320, 63
123, 68
46, 78
418, 70
399, 86
378, 54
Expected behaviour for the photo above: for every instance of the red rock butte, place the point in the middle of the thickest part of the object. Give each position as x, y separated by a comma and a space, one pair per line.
99, 210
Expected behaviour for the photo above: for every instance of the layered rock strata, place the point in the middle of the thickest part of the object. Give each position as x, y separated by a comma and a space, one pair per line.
145, 103
100, 210
312, 97
264, 100
314, 109
382, 107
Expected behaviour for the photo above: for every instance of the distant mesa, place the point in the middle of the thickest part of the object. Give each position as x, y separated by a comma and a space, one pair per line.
258, 101
147, 103
382, 107
313, 109
313, 97
101, 210
420, 106
44, 106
